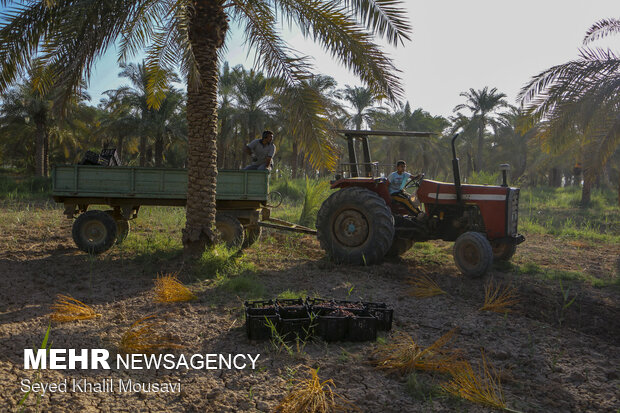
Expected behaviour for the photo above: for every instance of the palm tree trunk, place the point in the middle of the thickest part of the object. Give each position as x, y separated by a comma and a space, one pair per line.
619, 190
294, 159
39, 158
478, 163
159, 150
142, 150
119, 149
586, 190
586, 194
469, 166
46, 154
207, 30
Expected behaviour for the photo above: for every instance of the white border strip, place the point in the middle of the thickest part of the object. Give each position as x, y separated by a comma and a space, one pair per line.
470, 197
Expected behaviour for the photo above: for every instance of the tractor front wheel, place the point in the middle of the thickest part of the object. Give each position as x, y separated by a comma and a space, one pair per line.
355, 226
473, 254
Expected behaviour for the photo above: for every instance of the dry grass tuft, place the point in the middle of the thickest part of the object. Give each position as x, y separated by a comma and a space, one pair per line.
168, 289
145, 336
67, 308
484, 388
498, 298
313, 396
423, 287
404, 355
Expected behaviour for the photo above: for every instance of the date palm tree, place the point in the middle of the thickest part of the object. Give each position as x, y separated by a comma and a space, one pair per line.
363, 101
153, 120
119, 120
190, 34
482, 104
319, 149
29, 108
228, 130
253, 94
513, 132
578, 102
421, 154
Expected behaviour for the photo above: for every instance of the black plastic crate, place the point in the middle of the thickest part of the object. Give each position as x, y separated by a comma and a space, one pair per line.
91, 158
331, 325
109, 157
383, 313
294, 322
335, 304
290, 302
362, 327
257, 315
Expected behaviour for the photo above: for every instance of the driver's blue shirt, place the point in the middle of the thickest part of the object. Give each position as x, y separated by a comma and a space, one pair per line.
397, 181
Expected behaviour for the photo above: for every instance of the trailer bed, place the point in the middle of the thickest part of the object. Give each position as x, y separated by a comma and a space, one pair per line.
149, 186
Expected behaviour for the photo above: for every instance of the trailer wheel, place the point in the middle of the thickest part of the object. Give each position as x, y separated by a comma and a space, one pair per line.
252, 234
122, 230
473, 254
122, 226
230, 229
355, 226
94, 232
399, 247
503, 251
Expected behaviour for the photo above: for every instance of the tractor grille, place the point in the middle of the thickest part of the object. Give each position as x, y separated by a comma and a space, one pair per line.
512, 212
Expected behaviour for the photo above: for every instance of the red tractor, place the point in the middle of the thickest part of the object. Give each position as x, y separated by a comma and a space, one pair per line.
360, 224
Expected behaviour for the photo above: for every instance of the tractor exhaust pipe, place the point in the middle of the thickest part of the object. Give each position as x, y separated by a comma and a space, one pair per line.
457, 174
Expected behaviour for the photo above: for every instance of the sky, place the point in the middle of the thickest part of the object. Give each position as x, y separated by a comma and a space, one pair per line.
456, 45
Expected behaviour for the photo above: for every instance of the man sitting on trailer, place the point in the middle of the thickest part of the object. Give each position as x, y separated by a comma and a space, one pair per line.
262, 152
396, 182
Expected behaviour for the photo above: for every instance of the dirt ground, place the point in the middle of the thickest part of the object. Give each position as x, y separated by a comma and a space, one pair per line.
550, 357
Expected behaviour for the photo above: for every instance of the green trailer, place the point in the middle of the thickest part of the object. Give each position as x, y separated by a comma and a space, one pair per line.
241, 201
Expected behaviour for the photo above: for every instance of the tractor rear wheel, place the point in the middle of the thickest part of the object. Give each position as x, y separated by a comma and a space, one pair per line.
355, 226
94, 232
399, 247
503, 251
230, 229
473, 254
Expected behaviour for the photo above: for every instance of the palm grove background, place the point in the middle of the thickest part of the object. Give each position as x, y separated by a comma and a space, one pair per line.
566, 131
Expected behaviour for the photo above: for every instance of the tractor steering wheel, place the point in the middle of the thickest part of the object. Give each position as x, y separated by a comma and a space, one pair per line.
414, 180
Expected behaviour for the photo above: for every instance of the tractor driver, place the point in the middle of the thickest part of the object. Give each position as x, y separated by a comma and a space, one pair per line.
396, 182
262, 151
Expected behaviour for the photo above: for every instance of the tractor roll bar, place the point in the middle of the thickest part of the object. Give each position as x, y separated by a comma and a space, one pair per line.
362, 136
457, 174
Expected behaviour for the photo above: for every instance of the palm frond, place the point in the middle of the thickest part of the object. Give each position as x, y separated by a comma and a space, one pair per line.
20, 36
385, 17
484, 388
278, 59
310, 124
138, 32
336, 30
568, 81
600, 29
404, 355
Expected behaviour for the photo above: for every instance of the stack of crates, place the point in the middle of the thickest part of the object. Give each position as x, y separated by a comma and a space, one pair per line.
107, 157
329, 319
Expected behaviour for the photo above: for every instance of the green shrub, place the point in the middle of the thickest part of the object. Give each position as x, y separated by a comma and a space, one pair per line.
315, 194
289, 189
484, 178
16, 188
